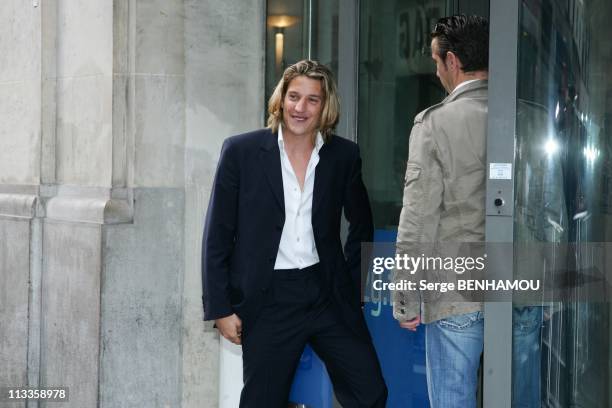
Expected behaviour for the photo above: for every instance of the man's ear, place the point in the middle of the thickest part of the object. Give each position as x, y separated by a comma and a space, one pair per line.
453, 61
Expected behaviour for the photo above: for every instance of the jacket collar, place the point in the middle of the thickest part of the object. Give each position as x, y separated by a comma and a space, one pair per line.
269, 140
481, 84
323, 175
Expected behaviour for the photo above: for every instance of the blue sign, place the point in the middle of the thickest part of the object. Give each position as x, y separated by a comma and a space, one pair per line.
401, 352
311, 384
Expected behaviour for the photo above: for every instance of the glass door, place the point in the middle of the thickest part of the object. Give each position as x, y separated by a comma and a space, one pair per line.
563, 203
397, 80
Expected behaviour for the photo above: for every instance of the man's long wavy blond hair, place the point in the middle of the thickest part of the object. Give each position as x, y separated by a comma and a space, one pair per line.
330, 112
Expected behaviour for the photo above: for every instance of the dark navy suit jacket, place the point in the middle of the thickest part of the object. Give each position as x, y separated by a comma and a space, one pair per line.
245, 220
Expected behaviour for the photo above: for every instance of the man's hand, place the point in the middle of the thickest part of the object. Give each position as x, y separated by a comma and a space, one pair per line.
230, 327
411, 324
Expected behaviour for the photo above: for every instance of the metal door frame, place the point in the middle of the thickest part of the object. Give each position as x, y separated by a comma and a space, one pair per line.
501, 132
348, 67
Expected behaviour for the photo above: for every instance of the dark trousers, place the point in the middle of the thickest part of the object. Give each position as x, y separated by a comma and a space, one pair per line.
298, 312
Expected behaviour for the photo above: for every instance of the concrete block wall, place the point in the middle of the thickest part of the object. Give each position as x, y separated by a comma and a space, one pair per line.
113, 113
224, 82
84, 78
14, 291
70, 330
141, 304
20, 66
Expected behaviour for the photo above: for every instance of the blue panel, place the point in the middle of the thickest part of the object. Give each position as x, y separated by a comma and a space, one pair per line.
401, 352
311, 384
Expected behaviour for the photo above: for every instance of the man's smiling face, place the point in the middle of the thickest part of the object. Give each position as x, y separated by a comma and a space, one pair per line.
302, 106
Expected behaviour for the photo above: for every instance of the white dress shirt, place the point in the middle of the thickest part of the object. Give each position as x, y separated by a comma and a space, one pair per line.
297, 247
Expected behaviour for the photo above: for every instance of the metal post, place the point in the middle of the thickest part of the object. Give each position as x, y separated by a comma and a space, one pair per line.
348, 66
310, 28
503, 60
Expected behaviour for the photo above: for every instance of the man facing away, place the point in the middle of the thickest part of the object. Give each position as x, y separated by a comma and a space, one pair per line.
275, 276
444, 202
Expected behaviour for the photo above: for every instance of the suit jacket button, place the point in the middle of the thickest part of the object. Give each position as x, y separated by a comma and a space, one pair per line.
402, 302
402, 311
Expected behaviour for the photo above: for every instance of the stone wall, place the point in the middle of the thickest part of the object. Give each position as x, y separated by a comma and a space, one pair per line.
113, 113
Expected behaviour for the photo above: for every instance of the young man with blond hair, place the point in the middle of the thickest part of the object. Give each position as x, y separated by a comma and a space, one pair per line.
275, 275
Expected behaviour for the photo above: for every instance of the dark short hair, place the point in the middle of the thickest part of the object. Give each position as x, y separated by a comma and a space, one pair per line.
465, 36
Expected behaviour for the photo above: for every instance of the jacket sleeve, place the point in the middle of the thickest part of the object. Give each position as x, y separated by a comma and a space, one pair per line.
420, 215
219, 234
359, 216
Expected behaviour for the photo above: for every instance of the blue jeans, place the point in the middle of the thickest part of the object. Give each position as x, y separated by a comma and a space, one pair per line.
453, 347
526, 356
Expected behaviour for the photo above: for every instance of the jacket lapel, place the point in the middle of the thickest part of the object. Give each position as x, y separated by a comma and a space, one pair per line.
270, 162
322, 176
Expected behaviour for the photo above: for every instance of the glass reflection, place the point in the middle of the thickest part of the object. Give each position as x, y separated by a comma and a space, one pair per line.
396, 81
563, 179
300, 29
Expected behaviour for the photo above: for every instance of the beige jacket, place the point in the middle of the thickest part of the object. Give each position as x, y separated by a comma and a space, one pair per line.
444, 194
